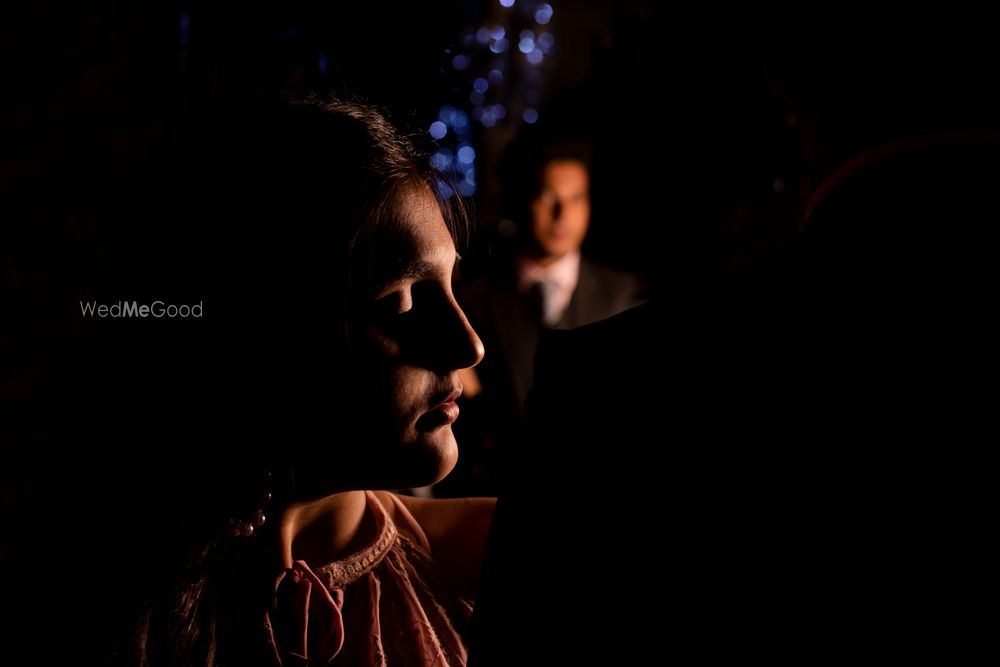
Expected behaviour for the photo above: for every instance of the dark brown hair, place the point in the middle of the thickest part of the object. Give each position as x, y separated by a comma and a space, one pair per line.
291, 196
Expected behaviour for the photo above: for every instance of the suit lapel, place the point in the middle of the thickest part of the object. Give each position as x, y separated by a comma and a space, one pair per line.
580, 308
517, 333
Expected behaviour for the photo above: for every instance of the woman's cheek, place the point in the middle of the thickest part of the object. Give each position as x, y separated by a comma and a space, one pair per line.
380, 344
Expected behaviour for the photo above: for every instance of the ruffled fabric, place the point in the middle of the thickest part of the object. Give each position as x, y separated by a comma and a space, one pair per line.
305, 624
379, 607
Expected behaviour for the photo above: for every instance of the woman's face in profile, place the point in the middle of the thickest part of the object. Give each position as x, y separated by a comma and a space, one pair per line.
411, 338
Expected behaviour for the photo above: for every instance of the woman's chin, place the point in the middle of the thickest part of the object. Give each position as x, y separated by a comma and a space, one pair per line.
435, 457
421, 459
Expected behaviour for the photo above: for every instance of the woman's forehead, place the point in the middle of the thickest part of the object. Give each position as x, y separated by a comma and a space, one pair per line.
418, 237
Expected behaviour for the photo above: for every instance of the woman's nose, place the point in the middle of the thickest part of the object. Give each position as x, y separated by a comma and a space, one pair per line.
449, 342
469, 348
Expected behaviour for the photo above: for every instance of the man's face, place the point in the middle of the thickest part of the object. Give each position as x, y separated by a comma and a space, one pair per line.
560, 214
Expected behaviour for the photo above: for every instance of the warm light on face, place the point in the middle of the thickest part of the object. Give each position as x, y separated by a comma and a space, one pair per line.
415, 339
561, 211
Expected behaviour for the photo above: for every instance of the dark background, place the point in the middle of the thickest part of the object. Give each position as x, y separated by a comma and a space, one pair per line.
697, 172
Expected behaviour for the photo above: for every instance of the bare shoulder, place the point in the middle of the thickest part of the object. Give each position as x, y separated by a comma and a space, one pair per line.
430, 511
436, 514
456, 529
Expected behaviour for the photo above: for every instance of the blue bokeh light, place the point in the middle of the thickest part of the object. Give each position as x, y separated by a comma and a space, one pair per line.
466, 189
545, 42
530, 116
466, 154
507, 3
447, 114
460, 62
444, 189
184, 26
480, 85
460, 121
476, 97
543, 14
483, 36
495, 77
499, 45
535, 57
498, 33
438, 130
526, 45
442, 160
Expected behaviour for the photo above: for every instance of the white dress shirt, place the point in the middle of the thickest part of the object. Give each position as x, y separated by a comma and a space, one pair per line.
558, 281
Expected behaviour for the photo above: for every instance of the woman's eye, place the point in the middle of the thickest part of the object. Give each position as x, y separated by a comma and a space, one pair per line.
391, 306
417, 300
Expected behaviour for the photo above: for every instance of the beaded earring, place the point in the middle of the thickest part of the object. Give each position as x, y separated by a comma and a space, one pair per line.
246, 527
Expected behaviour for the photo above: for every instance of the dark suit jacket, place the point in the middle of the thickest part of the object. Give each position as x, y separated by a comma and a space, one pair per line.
509, 322
791, 468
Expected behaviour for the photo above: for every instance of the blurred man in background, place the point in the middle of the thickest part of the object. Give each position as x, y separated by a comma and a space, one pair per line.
547, 284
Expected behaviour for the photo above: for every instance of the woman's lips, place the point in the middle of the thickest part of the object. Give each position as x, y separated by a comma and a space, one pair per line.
444, 413
449, 411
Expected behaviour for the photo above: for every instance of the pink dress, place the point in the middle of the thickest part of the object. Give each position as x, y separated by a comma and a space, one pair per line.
381, 606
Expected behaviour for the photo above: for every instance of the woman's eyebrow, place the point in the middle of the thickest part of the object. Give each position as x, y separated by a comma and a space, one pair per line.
414, 269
